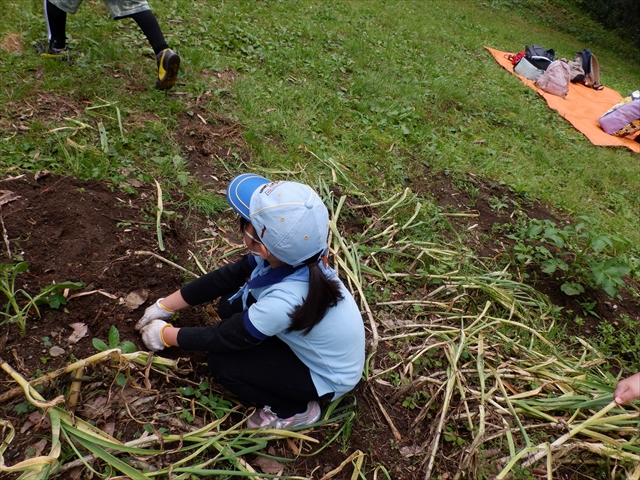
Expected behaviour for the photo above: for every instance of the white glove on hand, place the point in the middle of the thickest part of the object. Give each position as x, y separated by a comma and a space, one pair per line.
152, 335
154, 312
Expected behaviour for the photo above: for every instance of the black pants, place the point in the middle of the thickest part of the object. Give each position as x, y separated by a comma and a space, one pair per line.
268, 374
146, 20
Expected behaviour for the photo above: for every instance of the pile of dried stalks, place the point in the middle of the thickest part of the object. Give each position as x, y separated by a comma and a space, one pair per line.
501, 390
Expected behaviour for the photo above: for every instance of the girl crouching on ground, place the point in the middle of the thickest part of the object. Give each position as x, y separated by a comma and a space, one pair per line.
291, 334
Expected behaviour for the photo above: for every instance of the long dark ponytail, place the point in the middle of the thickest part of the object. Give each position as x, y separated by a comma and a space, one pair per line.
324, 293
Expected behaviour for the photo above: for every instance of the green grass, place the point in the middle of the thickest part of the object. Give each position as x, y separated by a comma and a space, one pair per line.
372, 84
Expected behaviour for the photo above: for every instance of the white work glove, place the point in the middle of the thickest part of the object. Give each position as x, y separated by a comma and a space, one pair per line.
154, 312
152, 335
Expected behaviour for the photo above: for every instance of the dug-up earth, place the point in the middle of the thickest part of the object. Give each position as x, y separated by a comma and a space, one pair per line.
90, 232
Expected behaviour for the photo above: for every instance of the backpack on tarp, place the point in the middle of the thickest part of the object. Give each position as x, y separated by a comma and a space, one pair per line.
590, 67
624, 117
538, 56
555, 79
577, 72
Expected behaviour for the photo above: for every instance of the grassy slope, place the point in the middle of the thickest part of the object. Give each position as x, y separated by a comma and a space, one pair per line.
372, 84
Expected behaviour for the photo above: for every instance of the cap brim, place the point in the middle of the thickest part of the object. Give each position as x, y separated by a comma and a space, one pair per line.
241, 189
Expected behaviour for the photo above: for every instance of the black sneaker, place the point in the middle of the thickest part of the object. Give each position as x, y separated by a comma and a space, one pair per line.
48, 51
168, 65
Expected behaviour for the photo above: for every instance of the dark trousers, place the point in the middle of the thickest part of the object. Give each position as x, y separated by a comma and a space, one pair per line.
268, 374
146, 20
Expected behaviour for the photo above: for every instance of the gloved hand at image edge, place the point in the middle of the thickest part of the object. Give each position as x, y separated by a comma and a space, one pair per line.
152, 335
157, 311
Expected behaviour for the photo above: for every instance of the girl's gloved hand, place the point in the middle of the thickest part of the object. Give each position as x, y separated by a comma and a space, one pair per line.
154, 312
152, 335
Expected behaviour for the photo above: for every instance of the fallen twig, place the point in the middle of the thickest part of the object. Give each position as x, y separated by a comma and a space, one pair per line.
168, 262
394, 430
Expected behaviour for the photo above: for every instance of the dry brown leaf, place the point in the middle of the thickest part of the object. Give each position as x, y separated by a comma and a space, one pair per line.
107, 427
26, 426
136, 298
79, 332
411, 451
35, 417
95, 408
36, 449
7, 196
41, 420
56, 351
269, 466
129, 394
75, 473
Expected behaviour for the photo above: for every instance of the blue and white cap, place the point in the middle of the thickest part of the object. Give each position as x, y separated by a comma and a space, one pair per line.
240, 190
289, 217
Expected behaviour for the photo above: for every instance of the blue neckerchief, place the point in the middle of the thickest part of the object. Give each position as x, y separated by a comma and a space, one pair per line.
263, 276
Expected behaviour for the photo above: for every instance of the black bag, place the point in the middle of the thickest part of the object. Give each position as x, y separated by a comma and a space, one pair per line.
538, 56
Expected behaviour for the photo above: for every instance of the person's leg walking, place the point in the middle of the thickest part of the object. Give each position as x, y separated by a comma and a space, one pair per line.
56, 19
55, 15
167, 61
149, 25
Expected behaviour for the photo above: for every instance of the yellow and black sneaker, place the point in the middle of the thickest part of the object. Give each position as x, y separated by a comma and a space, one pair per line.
168, 65
49, 51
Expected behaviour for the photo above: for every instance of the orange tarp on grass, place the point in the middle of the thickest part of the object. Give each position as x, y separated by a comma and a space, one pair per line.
582, 107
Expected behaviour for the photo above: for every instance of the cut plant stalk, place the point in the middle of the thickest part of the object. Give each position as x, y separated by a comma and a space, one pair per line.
159, 211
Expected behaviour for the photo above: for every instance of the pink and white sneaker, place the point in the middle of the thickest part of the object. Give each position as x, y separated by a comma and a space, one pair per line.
265, 418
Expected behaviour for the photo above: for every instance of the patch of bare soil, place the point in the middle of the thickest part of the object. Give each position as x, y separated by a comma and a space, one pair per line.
84, 231
12, 42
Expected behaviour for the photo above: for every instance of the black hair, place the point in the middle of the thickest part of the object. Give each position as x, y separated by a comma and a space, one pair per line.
323, 294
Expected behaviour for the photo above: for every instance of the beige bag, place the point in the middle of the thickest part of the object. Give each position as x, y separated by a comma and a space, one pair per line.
555, 80
591, 69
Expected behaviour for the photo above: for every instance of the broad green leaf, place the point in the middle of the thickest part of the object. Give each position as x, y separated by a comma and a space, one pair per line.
121, 379
21, 267
187, 391
600, 242
22, 407
609, 287
556, 240
99, 344
534, 230
550, 265
572, 288
114, 337
128, 347
57, 300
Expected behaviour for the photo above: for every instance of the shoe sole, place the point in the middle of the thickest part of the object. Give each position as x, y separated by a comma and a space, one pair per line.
312, 420
43, 51
171, 74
